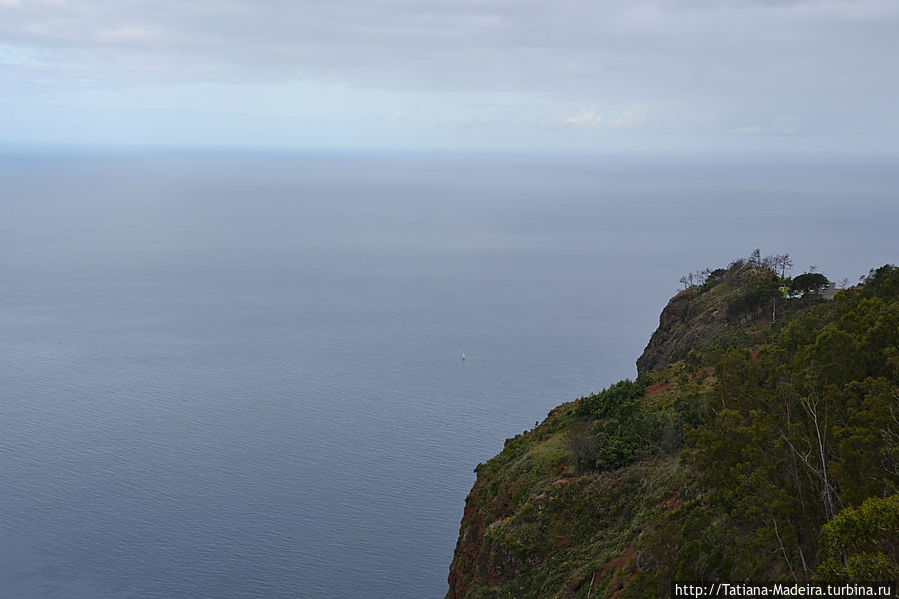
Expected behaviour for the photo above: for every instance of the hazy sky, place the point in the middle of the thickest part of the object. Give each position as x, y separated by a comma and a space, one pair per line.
566, 74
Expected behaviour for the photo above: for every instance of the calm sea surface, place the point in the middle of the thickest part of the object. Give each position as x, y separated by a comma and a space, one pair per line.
231, 376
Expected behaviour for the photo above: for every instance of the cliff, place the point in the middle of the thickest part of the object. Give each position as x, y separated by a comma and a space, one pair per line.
709, 465
725, 310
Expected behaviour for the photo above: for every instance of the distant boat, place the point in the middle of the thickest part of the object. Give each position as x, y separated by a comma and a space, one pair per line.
463, 356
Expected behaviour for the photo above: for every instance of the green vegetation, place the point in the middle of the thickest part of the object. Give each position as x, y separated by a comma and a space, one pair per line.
861, 543
809, 281
767, 450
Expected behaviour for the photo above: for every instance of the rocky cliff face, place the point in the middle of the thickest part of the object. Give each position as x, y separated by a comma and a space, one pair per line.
707, 317
673, 339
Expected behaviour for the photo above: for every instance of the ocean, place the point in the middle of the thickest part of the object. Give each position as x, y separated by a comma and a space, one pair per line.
233, 375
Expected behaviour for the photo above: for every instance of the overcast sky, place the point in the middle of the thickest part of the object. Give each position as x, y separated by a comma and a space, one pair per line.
480, 74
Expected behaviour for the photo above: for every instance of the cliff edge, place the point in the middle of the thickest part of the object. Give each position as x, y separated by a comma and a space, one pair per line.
725, 309
746, 449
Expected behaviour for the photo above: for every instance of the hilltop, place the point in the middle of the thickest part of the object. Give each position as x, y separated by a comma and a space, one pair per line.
727, 306
759, 441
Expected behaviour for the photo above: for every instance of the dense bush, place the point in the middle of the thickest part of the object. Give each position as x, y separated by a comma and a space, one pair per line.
861, 543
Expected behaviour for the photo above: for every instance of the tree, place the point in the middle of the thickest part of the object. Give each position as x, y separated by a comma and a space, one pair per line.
810, 281
783, 263
755, 258
861, 543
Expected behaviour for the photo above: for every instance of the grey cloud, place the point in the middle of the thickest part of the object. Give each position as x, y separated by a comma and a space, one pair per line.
698, 57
